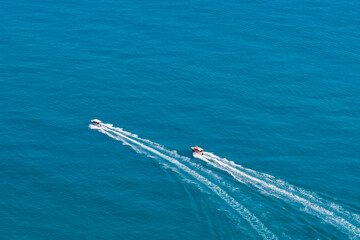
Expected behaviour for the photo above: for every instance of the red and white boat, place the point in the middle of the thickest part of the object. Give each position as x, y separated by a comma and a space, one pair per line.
97, 122
198, 150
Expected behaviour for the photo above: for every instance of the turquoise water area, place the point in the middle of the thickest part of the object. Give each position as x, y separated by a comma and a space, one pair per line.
270, 90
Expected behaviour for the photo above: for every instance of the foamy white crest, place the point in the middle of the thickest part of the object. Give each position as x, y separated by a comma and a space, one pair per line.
128, 138
352, 217
269, 185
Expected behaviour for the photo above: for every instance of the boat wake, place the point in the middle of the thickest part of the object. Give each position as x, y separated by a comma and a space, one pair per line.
310, 202
327, 211
155, 150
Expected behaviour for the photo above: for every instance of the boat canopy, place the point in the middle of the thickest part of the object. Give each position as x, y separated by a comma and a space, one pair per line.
97, 121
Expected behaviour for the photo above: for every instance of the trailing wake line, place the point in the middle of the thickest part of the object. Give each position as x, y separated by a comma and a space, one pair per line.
290, 188
256, 224
271, 180
273, 190
324, 210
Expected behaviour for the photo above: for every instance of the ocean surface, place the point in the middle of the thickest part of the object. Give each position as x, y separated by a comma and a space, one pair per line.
269, 89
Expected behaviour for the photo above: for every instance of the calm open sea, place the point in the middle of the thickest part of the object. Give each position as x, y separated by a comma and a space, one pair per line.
269, 89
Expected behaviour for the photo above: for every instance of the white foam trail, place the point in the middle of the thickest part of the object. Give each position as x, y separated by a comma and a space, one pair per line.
271, 189
291, 188
174, 153
256, 224
122, 131
279, 189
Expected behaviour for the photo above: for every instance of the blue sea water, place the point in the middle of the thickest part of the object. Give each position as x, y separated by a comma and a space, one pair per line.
272, 86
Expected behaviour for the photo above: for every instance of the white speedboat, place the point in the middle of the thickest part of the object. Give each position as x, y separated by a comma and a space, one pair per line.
97, 122
198, 150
